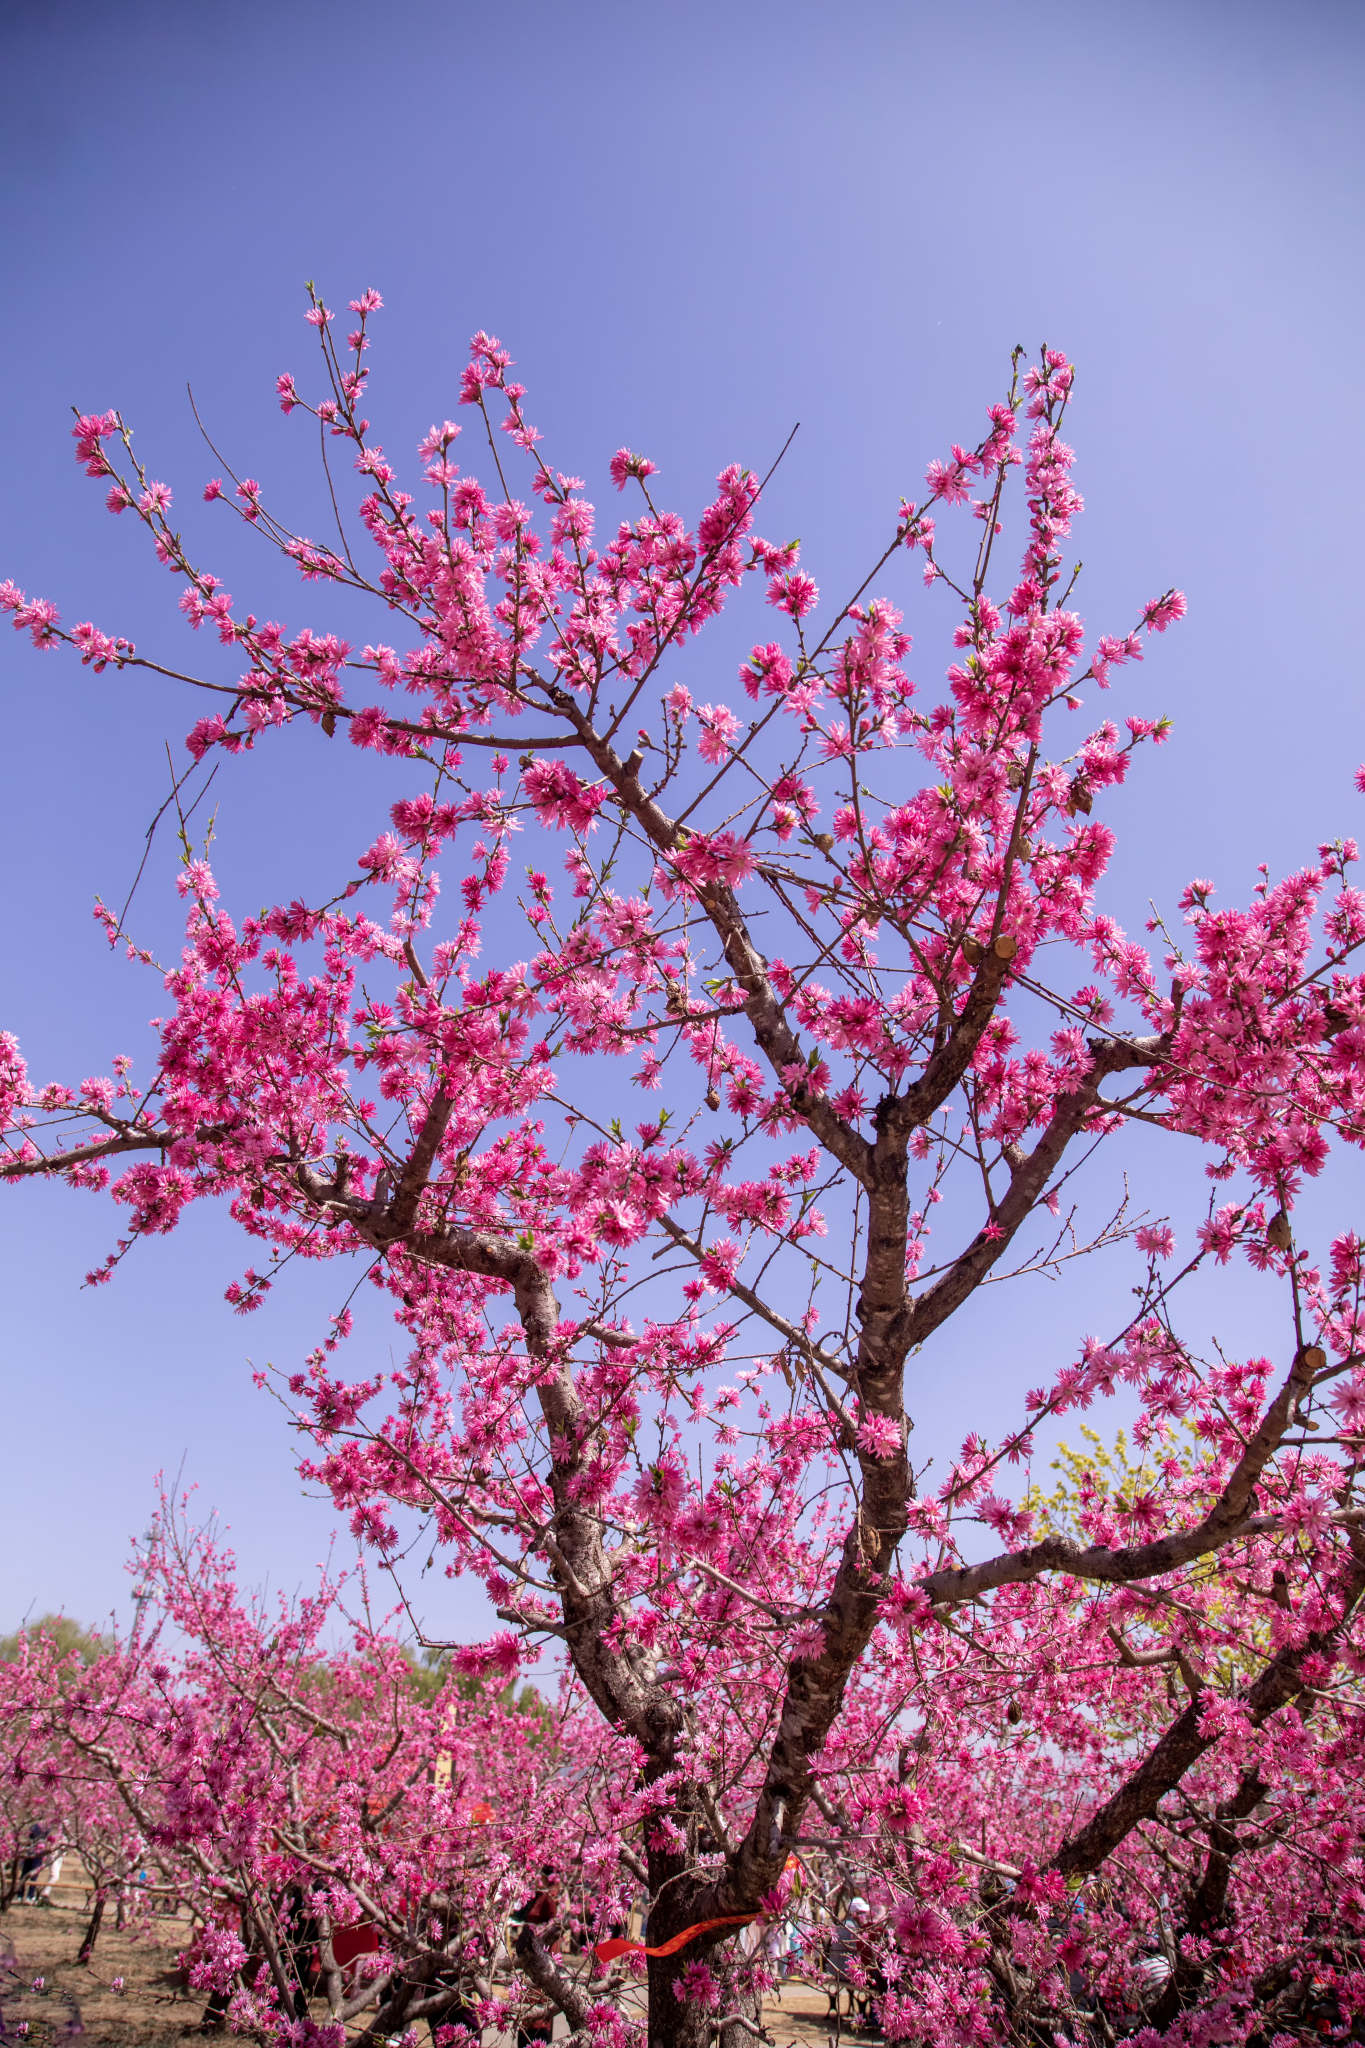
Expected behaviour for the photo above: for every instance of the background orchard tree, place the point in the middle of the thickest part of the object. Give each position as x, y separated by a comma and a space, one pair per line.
656, 1390
291, 1795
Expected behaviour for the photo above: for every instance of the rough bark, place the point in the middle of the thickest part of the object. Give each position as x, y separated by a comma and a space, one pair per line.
537, 1964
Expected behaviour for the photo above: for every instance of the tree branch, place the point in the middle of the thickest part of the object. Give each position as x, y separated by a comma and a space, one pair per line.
1184, 1742
1226, 1520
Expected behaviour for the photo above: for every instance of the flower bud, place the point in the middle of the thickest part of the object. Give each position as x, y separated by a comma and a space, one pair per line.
1278, 1232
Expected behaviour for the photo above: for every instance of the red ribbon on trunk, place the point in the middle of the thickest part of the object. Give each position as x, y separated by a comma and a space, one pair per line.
607, 1951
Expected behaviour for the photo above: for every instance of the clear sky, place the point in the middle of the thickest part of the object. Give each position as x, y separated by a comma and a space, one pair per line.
693, 225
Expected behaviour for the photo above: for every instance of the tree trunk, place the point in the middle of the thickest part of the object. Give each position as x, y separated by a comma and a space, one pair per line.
390, 2013
91, 1936
214, 2015
676, 2022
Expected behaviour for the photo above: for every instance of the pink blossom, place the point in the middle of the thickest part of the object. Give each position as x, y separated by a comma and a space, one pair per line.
625, 465
795, 594
720, 728
90, 429
879, 1436
719, 857
921, 1931
718, 1266
1164, 611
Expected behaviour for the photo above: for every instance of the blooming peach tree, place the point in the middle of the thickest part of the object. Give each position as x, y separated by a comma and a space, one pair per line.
348, 1836
661, 1371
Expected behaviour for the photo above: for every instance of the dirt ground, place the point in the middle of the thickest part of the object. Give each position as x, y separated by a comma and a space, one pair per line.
41, 1941
152, 2012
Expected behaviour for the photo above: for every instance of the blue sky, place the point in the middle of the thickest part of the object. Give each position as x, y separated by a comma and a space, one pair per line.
693, 226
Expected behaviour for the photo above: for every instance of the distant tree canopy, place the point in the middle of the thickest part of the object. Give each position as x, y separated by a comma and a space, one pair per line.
69, 1638
432, 1672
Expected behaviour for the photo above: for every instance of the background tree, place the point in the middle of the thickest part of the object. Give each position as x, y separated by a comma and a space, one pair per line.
223, 1761
67, 1637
